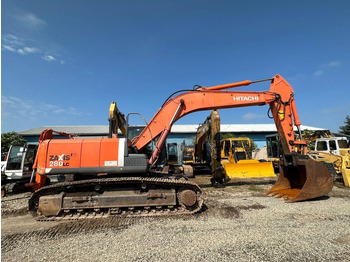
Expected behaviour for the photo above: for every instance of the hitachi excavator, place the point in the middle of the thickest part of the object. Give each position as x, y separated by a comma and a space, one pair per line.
115, 176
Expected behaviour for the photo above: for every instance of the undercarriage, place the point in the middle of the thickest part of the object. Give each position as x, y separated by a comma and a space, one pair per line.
121, 196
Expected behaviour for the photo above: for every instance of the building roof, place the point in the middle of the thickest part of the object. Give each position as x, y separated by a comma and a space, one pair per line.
80, 130
103, 129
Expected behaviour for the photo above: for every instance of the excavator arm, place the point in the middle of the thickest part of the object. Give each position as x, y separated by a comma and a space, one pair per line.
280, 98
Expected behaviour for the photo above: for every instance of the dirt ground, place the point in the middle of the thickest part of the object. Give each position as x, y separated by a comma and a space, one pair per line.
238, 223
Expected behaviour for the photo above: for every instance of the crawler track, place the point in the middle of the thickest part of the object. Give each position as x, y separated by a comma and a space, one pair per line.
192, 192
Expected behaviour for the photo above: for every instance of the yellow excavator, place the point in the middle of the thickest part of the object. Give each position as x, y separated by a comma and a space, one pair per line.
207, 149
237, 162
230, 158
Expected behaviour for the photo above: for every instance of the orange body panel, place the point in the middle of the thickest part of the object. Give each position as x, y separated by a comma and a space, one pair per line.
109, 152
64, 153
91, 149
77, 153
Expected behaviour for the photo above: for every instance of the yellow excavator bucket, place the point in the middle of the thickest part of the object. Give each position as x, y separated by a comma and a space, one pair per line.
248, 169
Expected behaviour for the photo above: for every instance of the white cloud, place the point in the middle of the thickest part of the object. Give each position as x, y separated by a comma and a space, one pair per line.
332, 110
58, 111
21, 52
251, 116
21, 46
325, 67
318, 73
48, 58
296, 77
21, 113
20, 108
12, 40
15, 44
31, 50
30, 21
28, 50
333, 64
8, 48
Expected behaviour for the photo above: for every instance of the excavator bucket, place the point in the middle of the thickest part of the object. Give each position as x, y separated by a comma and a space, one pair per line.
248, 169
301, 178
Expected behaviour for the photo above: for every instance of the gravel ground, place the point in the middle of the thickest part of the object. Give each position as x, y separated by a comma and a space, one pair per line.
240, 223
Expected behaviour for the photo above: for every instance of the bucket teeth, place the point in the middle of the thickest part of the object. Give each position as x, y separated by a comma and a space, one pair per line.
277, 195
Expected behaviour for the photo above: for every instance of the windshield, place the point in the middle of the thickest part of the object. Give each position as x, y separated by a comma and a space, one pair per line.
14, 159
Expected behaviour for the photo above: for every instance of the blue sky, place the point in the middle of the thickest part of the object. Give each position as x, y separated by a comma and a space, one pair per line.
63, 62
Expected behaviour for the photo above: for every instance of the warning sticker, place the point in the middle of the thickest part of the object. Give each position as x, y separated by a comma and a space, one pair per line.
111, 163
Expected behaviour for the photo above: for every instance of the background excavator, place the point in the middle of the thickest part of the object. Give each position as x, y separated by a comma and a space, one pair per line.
225, 158
117, 176
237, 160
207, 149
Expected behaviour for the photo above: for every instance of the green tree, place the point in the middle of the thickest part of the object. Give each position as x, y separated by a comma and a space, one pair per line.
346, 128
226, 135
308, 137
11, 138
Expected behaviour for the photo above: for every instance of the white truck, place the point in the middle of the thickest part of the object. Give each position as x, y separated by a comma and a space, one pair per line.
336, 152
17, 169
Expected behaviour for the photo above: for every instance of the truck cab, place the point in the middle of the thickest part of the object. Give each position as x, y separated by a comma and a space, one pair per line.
20, 160
331, 145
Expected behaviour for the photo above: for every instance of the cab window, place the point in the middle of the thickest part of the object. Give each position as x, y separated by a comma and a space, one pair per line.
321, 146
14, 160
342, 143
227, 148
332, 145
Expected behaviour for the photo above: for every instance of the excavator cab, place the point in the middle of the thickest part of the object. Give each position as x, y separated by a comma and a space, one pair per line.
173, 158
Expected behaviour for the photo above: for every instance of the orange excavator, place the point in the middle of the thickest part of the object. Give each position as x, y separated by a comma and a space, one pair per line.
118, 176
